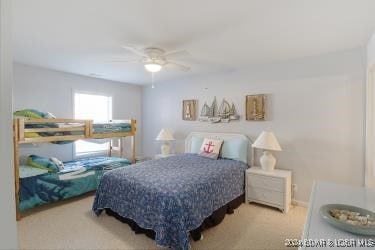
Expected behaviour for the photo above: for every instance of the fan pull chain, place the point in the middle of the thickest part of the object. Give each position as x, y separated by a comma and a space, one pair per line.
152, 80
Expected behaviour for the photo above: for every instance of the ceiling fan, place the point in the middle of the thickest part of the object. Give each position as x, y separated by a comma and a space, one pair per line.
154, 59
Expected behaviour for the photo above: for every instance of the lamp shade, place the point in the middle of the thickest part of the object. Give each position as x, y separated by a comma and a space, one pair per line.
268, 141
165, 135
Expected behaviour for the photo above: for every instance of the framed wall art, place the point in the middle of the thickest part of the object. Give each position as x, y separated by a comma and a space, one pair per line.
189, 110
256, 107
225, 113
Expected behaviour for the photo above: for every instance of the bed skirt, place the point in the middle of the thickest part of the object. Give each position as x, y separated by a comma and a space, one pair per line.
211, 221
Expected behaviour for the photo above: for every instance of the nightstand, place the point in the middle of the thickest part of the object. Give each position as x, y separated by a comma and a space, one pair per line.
272, 188
159, 156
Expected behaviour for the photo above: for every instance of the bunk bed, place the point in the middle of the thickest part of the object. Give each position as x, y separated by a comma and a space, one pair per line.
60, 131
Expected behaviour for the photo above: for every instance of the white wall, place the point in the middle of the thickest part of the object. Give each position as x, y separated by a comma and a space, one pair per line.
49, 90
316, 108
371, 51
8, 233
370, 114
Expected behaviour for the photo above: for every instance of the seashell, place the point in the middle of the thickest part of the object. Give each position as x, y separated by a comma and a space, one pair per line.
352, 222
345, 211
343, 217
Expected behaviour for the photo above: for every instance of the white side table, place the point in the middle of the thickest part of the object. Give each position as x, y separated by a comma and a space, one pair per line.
159, 156
272, 188
316, 230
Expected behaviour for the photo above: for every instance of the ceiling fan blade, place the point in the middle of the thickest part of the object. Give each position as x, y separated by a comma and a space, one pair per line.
176, 53
124, 60
180, 66
134, 50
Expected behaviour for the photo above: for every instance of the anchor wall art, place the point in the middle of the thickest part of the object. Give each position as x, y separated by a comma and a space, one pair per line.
213, 114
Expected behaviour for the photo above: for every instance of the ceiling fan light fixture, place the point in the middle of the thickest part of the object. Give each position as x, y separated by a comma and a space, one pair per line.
153, 67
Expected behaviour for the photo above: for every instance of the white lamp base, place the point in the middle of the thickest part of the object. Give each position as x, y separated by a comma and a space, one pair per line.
267, 161
165, 148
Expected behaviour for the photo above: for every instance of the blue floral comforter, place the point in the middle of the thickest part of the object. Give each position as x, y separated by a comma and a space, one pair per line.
171, 196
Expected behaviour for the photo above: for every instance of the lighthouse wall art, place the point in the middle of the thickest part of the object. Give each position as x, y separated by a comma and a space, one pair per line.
256, 107
189, 110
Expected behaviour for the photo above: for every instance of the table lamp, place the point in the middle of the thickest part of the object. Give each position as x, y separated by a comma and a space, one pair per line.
267, 141
165, 136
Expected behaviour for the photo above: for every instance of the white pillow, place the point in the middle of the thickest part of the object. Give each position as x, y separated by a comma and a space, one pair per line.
211, 148
59, 163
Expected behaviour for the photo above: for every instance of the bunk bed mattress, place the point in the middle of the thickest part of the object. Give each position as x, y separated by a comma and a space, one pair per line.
113, 127
79, 177
172, 195
98, 128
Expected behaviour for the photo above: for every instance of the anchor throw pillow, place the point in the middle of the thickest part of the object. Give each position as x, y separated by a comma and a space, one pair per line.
211, 148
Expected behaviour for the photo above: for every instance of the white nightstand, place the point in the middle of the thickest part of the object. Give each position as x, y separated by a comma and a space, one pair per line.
159, 156
272, 188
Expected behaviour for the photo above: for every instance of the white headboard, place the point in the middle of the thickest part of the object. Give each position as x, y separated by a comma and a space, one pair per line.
250, 154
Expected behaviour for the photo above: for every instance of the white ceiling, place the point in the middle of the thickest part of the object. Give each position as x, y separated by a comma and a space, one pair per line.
82, 36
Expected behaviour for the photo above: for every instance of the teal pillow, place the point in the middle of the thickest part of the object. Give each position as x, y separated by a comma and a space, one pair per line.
196, 143
235, 149
33, 113
28, 171
37, 161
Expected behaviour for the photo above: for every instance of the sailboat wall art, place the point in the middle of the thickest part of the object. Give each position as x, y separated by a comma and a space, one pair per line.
224, 113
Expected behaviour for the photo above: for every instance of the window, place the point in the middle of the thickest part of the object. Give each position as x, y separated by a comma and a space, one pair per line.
94, 107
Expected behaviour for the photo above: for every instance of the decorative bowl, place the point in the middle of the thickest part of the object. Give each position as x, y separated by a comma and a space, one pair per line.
325, 214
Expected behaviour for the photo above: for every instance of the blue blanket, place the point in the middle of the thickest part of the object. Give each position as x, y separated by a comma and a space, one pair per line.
41, 188
171, 196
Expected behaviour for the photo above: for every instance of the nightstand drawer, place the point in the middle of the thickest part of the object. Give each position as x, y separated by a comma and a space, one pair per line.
265, 195
271, 183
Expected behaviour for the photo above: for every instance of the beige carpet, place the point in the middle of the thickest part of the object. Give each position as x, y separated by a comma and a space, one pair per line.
71, 225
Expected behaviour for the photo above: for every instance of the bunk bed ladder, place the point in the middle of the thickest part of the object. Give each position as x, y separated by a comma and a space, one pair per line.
132, 147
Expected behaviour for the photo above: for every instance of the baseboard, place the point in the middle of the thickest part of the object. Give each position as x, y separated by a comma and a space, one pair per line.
300, 203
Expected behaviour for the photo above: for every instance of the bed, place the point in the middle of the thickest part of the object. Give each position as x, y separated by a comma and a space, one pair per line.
36, 126
39, 187
173, 196
37, 121
115, 126
32, 126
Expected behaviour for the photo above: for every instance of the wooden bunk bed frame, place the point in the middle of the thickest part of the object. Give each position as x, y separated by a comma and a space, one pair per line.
84, 126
